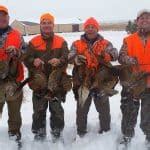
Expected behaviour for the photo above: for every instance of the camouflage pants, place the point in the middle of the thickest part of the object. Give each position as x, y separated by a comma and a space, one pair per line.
40, 106
14, 115
102, 107
130, 110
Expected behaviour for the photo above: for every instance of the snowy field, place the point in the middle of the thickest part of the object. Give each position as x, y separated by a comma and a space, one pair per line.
93, 140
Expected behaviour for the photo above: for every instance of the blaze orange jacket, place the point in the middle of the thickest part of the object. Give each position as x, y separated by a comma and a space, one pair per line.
141, 52
40, 44
92, 54
13, 39
55, 44
137, 49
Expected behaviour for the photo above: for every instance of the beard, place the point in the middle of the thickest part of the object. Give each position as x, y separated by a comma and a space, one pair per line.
47, 35
144, 30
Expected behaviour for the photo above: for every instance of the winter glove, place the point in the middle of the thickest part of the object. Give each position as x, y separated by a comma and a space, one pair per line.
80, 59
54, 62
37, 62
132, 61
12, 51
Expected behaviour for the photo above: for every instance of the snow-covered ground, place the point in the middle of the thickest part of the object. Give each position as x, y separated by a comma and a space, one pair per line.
93, 140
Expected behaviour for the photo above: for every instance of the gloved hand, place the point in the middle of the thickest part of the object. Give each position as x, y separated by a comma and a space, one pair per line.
12, 51
132, 61
37, 62
54, 62
80, 59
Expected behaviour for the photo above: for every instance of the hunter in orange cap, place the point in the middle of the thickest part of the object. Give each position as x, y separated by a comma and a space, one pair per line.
47, 25
49, 60
85, 53
47, 16
135, 52
91, 21
3, 9
11, 48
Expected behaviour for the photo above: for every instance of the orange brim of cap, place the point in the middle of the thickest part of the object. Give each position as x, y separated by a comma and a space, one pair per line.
47, 16
4, 9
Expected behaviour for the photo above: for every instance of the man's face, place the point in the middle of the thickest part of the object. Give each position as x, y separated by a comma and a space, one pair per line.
47, 27
91, 32
143, 22
4, 20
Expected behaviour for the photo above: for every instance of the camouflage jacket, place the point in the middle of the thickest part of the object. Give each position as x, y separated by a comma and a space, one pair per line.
124, 58
46, 55
109, 49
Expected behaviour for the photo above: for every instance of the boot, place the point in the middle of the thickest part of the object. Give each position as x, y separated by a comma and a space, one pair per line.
40, 134
125, 140
34, 131
101, 131
81, 133
56, 134
148, 138
148, 142
16, 135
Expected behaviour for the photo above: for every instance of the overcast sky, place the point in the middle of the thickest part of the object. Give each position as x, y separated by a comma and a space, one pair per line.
104, 10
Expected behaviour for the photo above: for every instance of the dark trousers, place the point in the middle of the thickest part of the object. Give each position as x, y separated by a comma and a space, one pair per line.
130, 110
102, 107
40, 106
14, 114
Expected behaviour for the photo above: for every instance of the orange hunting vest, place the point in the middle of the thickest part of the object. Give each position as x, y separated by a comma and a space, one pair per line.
40, 44
93, 54
13, 39
137, 49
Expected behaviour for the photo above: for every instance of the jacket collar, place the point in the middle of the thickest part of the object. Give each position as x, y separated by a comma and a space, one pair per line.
47, 38
5, 31
91, 42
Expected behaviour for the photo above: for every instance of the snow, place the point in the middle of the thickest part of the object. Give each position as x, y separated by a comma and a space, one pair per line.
93, 140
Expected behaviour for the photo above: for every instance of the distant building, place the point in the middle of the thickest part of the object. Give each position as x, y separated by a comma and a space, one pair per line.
67, 28
116, 26
26, 27
32, 28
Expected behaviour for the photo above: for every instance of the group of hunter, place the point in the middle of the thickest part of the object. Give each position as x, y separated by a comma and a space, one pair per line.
93, 78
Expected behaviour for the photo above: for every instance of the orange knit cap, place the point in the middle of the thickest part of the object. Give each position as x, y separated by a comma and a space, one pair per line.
47, 16
4, 9
92, 21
